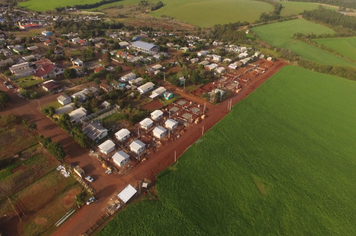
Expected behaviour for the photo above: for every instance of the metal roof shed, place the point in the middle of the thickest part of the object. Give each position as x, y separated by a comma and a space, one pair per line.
122, 135
146, 87
120, 158
156, 115
126, 194
107, 147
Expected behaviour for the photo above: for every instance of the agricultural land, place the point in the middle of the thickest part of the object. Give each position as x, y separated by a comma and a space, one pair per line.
280, 35
281, 162
295, 8
345, 46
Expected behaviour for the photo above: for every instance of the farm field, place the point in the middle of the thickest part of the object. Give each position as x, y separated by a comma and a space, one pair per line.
294, 8
37, 5
345, 46
280, 163
280, 35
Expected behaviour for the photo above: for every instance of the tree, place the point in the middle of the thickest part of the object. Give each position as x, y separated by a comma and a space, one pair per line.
80, 198
109, 78
56, 150
70, 73
97, 81
4, 99
118, 69
32, 126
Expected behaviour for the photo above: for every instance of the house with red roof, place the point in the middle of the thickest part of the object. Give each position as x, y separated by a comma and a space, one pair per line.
48, 71
100, 68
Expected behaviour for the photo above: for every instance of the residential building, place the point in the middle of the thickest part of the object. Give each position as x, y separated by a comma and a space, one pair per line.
171, 124
136, 81
128, 77
64, 110
64, 99
157, 115
94, 131
120, 158
107, 147
46, 33
146, 123
122, 135
159, 132
158, 92
50, 86
146, 87
48, 71
77, 115
22, 69
137, 147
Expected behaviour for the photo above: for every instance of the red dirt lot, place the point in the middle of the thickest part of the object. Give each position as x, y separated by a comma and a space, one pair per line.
107, 186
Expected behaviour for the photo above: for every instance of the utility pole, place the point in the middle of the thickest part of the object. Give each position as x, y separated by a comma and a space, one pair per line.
204, 108
175, 156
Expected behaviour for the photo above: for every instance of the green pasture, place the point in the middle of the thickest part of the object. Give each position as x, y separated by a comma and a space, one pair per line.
282, 162
344, 46
210, 13
280, 35
295, 8
38, 5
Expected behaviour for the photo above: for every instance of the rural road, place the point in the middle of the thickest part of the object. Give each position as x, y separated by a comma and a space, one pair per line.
106, 186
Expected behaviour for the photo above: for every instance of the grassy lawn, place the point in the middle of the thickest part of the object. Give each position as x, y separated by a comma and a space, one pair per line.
27, 81
280, 35
38, 5
54, 104
114, 119
345, 46
295, 8
287, 171
209, 13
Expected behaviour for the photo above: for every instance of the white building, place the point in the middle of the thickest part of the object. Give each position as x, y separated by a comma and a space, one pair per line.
107, 147
146, 123
120, 158
171, 124
136, 81
95, 131
146, 87
159, 132
64, 99
137, 146
122, 135
145, 47
220, 70
77, 115
158, 92
216, 58
128, 77
157, 115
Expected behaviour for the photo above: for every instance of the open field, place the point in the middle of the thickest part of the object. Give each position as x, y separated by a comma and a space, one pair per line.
280, 163
38, 5
294, 8
210, 13
345, 46
280, 35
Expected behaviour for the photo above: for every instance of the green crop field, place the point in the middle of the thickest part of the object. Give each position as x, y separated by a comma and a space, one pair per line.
344, 46
208, 13
38, 5
282, 162
294, 8
280, 35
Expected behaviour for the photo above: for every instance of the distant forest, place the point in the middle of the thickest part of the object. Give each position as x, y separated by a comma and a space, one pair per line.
340, 3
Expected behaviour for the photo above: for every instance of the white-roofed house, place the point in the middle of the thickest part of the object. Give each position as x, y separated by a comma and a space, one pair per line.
159, 132
146, 123
77, 115
171, 124
122, 135
120, 158
216, 58
107, 147
146, 87
137, 146
128, 77
64, 99
158, 92
220, 70
157, 115
136, 81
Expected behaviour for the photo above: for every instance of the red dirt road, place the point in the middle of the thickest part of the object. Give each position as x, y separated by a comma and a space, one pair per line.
106, 186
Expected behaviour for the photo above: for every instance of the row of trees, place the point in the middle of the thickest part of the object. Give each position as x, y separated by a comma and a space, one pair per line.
4, 99
330, 17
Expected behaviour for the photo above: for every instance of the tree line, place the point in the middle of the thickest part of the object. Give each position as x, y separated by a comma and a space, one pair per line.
331, 17
340, 3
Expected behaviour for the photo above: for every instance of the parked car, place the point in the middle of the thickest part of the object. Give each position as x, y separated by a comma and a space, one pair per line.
92, 199
9, 86
89, 178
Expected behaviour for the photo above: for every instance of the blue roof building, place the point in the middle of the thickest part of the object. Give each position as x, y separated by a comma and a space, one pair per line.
145, 47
